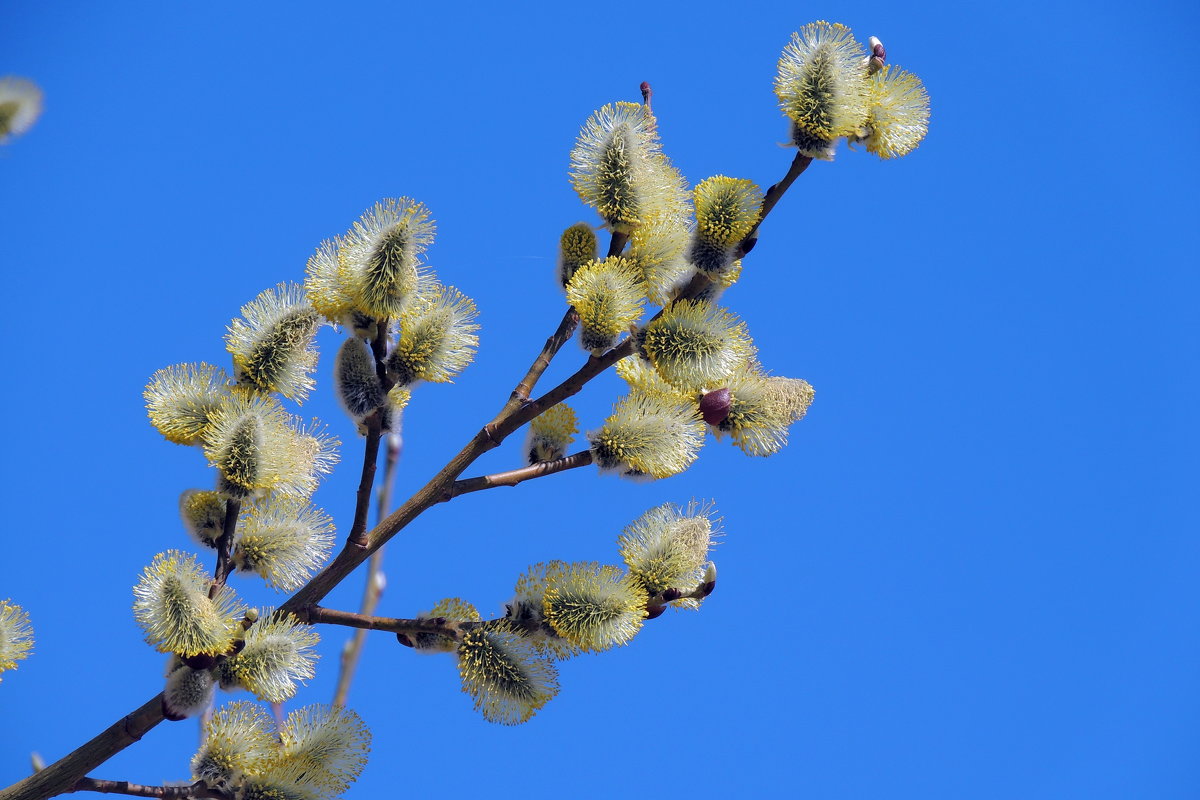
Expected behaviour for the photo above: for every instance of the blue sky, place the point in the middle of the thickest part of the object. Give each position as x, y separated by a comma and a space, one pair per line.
971, 574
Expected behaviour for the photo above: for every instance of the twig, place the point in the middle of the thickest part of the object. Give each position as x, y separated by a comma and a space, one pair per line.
318, 615
224, 544
374, 425
515, 476
374, 586
199, 789
561, 336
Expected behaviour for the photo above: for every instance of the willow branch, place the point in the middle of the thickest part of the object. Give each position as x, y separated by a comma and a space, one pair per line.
373, 589
60, 776
454, 629
199, 789
515, 476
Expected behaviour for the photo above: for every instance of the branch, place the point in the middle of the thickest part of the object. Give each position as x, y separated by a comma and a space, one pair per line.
374, 586
561, 336
515, 476
199, 789
62, 775
315, 615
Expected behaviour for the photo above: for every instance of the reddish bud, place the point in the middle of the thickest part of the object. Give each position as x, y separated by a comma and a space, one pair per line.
714, 406
403, 639
653, 612
200, 662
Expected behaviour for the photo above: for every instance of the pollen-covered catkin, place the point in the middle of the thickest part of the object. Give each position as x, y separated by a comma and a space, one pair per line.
272, 342
897, 113
696, 346
182, 399
821, 86
380, 257
505, 674
16, 635
608, 295
172, 606
594, 607
667, 548
279, 652
649, 435
284, 540
437, 337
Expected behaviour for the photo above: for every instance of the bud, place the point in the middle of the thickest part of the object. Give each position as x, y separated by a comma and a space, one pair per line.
203, 514
576, 247
355, 380
188, 693
550, 434
714, 406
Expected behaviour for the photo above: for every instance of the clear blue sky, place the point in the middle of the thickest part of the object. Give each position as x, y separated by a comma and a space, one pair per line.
971, 575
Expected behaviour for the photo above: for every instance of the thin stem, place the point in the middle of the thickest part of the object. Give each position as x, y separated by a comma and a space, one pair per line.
196, 790
515, 476
561, 336
318, 615
373, 590
224, 544
362, 498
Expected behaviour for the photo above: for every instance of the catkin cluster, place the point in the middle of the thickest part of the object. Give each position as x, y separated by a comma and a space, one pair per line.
560, 610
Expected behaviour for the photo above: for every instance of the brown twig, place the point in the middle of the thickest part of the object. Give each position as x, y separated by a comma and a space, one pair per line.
515, 476
199, 789
224, 545
373, 589
374, 424
561, 336
315, 615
